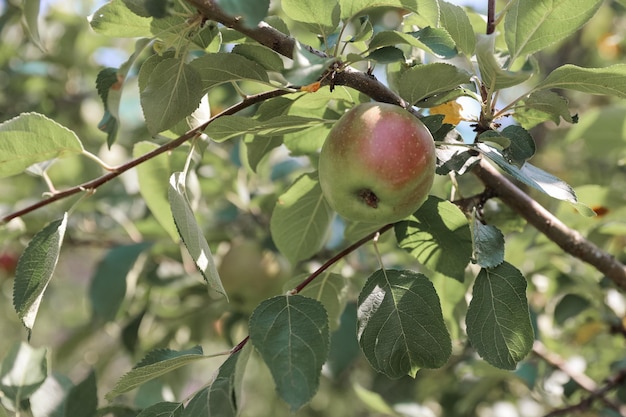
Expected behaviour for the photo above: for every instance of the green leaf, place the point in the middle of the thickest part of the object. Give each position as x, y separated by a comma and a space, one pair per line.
260, 54
344, 345
222, 397
609, 81
221, 67
530, 26
251, 12
386, 55
153, 176
491, 72
82, 399
455, 21
31, 138
437, 229
329, 289
191, 233
543, 105
171, 93
531, 175
423, 81
116, 20
498, 321
108, 285
291, 334
228, 127
35, 268
24, 369
301, 219
30, 12
522, 145
488, 244
426, 8
156, 363
438, 41
108, 86
401, 327
571, 305
163, 409
323, 13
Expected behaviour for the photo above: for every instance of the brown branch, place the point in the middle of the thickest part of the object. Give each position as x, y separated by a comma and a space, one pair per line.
568, 239
491, 16
91, 185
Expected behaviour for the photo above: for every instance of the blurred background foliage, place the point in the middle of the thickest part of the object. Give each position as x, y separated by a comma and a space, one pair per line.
576, 314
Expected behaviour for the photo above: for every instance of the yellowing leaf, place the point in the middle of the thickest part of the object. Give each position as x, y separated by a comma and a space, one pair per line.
451, 111
311, 88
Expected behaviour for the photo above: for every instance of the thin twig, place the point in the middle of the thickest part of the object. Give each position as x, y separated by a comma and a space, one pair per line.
491, 16
95, 183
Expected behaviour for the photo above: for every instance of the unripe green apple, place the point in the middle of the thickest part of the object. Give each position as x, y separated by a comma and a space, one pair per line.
377, 164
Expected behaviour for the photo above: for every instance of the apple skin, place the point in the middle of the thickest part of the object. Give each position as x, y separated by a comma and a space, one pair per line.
377, 164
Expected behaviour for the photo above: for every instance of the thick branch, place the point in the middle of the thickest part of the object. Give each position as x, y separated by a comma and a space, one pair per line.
569, 240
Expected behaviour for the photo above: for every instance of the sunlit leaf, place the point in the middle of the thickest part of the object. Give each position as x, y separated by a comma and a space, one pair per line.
493, 75
530, 26
24, 369
608, 81
498, 321
543, 105
324, 13
301, 219
229, 127
156, 363
219, 68
426, 80
162, 409
153, 176
291, 334
437, 229
455, 21
191, 233
401, 326
30, 138
116, 20
172, 92
35, 268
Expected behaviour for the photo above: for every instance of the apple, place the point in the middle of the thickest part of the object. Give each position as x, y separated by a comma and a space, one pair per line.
250, 274
377, 164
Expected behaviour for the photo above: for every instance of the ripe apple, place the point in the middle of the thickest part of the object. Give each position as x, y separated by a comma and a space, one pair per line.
377, 164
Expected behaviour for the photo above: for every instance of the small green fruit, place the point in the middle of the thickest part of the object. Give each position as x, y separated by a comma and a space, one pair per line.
377, 164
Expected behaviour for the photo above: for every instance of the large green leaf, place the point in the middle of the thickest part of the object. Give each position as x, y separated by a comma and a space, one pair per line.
542, 105
401, 327
437, 229
116, 20
191, 233
82, 399
156, 363
30, 138
252, 12
323, 13
35, 268
530, 25
455, 21
429, 9
531, 175
498, 321
153, 176
493, 75
609, 81
426, 80
222, 397
291, 334
24, 369
301, 219
108, 285
221, 67
171, 93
